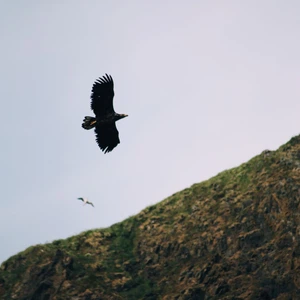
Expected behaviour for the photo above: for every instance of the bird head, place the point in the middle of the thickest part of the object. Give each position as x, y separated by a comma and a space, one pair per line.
121, 116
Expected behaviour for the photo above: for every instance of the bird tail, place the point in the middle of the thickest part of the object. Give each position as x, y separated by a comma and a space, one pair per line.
89, 122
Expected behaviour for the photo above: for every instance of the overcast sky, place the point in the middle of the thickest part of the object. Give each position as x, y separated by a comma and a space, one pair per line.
206, 84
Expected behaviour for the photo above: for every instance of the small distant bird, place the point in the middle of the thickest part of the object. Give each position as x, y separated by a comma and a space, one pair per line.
85, 200
107, 135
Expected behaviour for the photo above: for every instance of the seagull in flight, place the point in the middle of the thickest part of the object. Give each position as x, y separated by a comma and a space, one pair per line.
85, 201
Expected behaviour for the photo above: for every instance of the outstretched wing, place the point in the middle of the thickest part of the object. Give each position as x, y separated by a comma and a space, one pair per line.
102, 96
107, 136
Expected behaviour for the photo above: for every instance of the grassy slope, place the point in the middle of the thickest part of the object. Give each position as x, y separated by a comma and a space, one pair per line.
235, 235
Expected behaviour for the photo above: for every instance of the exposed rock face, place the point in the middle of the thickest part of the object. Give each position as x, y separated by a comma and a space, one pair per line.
235, 236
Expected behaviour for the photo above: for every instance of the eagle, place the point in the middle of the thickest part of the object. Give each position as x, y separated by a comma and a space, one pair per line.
104, 122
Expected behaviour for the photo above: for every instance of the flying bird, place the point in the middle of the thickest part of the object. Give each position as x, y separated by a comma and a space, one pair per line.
107, 135
85, 201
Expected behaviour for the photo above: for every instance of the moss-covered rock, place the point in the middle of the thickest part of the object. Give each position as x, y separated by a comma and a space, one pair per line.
235, 236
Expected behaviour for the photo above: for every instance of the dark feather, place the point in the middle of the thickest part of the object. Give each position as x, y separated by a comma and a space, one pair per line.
102, 96
107, 136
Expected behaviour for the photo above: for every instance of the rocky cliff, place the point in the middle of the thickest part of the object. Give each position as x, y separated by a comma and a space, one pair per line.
235, 236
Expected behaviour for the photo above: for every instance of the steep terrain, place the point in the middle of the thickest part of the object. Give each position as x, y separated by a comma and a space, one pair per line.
235, 236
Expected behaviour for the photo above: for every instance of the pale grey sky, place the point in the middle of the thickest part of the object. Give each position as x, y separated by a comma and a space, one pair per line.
207, 85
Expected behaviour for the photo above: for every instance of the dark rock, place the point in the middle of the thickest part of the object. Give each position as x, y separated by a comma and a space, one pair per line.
222, 289
193, 294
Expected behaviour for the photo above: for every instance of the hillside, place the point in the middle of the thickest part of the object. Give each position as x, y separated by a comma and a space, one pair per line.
235, 236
